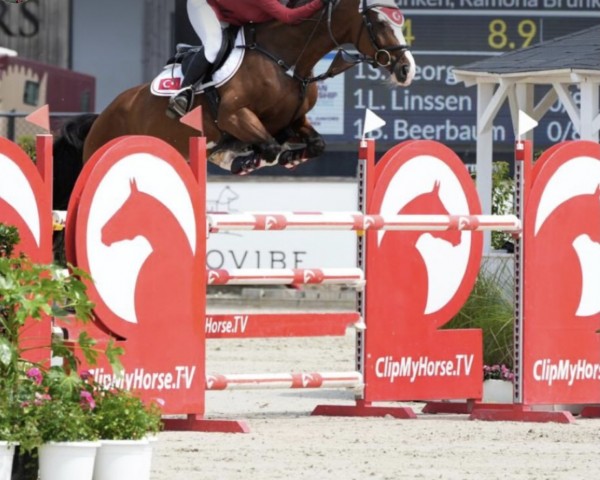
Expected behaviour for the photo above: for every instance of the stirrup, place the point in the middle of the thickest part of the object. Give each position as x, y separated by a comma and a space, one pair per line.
180, 103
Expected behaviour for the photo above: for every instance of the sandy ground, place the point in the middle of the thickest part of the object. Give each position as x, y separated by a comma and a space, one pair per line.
285, 442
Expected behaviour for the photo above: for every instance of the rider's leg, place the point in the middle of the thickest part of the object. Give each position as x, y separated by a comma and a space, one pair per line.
206, 24
196, 70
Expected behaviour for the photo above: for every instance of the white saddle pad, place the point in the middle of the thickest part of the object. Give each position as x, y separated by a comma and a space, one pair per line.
169, 80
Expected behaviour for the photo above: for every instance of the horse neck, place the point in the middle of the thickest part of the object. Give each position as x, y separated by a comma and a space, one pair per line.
308, 42
429, 203
165, 221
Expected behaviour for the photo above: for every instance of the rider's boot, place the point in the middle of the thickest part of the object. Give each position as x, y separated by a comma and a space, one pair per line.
180, 103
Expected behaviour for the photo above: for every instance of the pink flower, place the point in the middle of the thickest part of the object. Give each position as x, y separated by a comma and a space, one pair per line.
41, 398
87, 400
85, 375
35, 374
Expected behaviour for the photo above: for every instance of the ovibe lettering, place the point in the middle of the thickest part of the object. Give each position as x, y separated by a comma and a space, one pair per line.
139, 379
255, 259
565, 371
407, 367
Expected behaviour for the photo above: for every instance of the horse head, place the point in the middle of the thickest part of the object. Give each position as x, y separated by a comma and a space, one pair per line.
122, 225
431, 203
376, 29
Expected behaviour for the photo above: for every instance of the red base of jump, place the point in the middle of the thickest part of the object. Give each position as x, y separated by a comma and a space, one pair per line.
591, 411
449, 407
363, 409
517, 413
196, 423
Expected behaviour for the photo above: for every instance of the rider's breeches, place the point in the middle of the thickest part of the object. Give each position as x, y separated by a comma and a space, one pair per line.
207, 27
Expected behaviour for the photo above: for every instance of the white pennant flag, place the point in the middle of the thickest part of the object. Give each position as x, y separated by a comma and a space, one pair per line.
372, 122
526, 123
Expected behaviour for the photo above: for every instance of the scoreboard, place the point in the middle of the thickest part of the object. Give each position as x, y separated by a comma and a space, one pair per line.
444, 34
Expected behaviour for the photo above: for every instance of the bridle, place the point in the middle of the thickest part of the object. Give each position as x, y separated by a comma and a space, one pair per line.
382, 58
383, 54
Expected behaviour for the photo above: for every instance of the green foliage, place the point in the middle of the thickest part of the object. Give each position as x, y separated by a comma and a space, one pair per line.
503, 192
57, 408
9, 237
27, 143
30, 291
120, 415
490, 307
63, 421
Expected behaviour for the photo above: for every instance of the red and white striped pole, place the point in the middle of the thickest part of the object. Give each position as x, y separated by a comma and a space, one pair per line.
359, 222
286, 276
285, 380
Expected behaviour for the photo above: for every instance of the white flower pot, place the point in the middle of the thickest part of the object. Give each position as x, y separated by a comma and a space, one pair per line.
128, 459
148, 449
67, 460
497, 391
7, 452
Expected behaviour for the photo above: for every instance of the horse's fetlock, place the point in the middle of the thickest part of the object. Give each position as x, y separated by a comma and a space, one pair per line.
270, 151
316, 146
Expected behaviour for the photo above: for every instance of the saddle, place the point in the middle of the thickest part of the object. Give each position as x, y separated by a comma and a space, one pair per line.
229, 58
184, 52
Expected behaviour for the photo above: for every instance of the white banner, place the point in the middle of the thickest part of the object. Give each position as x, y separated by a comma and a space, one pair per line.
282, 249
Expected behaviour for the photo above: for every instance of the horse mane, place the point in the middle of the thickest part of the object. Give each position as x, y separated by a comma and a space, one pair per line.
74, 131
67, 151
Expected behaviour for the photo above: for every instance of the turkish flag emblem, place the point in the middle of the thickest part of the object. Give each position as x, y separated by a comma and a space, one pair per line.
169, 84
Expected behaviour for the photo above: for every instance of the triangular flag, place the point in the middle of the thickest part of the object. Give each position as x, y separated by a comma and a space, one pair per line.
194, 119
526, 123
372, 122
40, 117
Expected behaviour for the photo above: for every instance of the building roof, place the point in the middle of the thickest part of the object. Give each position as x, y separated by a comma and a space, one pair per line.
578, 52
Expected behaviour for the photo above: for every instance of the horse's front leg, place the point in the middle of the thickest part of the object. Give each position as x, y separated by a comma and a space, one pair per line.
244, 125
301, 142
315, 143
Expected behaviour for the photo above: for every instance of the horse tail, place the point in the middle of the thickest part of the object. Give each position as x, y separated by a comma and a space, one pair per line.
68, 157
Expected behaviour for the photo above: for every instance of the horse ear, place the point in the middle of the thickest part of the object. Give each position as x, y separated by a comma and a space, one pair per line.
133, 185
436, 187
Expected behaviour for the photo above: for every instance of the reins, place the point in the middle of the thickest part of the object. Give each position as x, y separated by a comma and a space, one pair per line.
382, 58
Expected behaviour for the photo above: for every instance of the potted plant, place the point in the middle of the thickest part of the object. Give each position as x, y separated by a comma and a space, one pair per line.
30, 291
7, 444
497, 384
126, 428
59, 408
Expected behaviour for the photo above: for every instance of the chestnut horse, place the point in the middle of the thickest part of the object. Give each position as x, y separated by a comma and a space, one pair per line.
262, 109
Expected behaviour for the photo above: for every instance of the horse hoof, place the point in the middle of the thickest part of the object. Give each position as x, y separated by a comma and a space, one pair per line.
245, 164
292, 158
